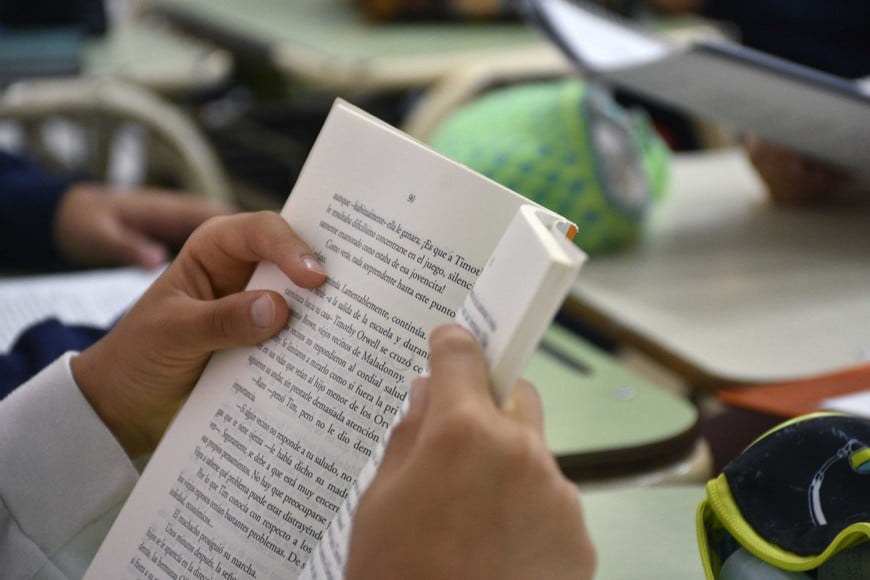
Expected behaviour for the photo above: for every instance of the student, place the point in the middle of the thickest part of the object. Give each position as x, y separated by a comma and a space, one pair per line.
51, 221
466, 489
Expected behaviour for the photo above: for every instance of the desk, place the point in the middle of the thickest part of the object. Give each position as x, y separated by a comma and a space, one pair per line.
325, 43
645, 533
601, 419
601, 416
726, 288
155, 58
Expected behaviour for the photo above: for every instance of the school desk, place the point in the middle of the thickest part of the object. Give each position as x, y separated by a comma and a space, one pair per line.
727, 288
607, 425
152, 56
646, 533
327, 44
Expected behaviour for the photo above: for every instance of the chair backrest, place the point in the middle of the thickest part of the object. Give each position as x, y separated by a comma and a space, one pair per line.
111, 124
466, 83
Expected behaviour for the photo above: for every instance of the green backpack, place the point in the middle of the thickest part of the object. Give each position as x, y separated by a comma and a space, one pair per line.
568, 146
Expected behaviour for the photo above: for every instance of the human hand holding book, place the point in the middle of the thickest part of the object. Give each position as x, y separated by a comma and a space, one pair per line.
273, 439
458, 467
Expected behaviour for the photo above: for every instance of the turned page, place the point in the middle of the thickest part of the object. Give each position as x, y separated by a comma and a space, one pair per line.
270, 441
537, 261
801, 108
508, 309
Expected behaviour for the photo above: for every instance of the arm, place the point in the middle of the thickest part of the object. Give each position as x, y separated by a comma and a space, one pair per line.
468, 490
48, 220
65, 436
96, 225
63, 478
29, 197
38, 346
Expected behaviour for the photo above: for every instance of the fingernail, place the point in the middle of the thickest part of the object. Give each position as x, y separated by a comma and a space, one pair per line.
151, 256
263, 311
312, 264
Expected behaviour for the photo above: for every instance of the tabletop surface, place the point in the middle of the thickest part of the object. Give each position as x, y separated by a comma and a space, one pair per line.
327, 42
597, 412
735, 287
155, 57
645, 533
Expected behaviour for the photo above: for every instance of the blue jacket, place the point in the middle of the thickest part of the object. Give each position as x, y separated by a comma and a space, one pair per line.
29, 196
39, 345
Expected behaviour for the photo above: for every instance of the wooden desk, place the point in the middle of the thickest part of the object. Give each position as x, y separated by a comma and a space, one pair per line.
645, 533
727, 288
602, 420
156, 58
326, 44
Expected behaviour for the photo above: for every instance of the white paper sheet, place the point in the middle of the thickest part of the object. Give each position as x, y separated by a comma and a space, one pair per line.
854, 404
95, 297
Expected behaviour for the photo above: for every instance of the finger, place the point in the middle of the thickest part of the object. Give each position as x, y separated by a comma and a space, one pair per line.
124, 246
524, 405
404, 435
226, 247
168, 217
241, 319
105, 241
457, 368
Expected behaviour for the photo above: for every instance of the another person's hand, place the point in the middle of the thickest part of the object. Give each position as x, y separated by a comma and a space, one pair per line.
138, 375
791, 178
468, 490
96, 225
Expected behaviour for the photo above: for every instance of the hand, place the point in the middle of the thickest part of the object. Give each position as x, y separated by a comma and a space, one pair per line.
467, 490
791, 178
98, 226
138, 375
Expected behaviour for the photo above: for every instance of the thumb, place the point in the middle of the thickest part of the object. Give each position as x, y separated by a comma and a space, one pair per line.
404, 434
524, 406
240, 319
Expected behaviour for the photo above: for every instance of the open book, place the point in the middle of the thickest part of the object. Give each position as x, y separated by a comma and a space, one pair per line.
821, 115
272, 440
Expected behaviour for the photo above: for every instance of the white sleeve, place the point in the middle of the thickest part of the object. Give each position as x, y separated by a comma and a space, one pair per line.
63, 478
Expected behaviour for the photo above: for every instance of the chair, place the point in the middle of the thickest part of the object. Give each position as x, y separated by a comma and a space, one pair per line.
114, 131
466, 83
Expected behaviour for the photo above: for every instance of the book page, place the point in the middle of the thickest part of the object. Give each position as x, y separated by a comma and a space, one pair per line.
597, 41
93, 297
809, 111
823, 123
270, 442
538, 263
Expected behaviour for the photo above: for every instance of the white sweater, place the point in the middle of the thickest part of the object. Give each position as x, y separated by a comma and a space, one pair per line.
63, 478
